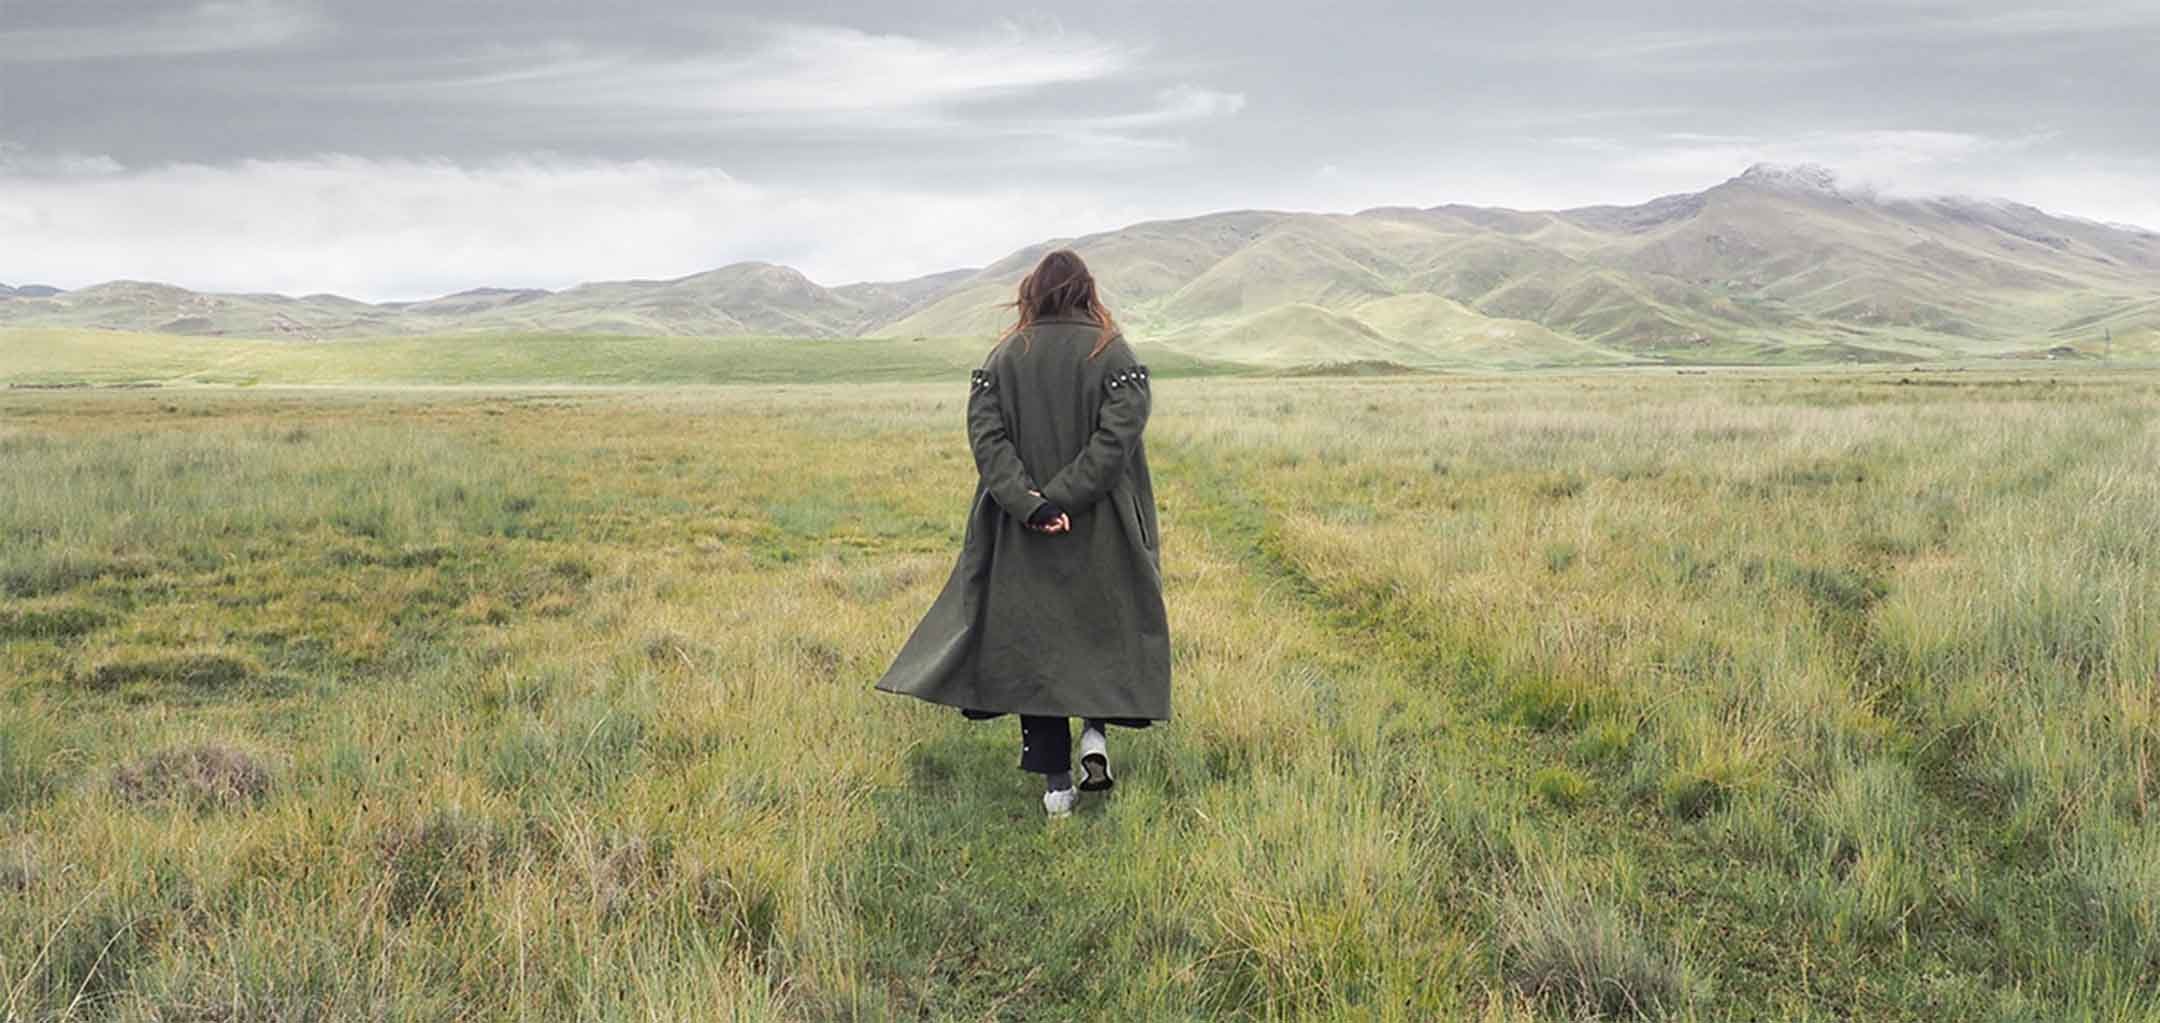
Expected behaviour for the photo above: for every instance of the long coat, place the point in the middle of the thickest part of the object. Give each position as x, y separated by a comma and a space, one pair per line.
1067, 624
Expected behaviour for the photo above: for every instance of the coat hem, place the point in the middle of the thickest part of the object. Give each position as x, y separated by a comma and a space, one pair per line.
1032, 711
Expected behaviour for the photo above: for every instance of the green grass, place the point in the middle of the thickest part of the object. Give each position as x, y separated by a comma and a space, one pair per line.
72, 356
1726, 697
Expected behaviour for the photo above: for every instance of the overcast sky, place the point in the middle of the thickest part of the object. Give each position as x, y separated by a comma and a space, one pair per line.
404, 148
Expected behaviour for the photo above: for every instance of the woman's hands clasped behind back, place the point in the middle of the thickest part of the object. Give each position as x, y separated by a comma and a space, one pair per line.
1061, 524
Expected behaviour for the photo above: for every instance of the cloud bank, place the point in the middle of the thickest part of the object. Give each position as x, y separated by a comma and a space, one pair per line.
397, 229
398, 148
215, 26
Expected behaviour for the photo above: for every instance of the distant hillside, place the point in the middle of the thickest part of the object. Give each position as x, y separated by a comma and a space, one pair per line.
1778, 265
743, 299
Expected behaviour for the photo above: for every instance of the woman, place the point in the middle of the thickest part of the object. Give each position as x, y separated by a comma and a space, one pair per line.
1055, 608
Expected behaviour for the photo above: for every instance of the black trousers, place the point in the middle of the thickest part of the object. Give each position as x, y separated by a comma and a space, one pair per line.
1046, 742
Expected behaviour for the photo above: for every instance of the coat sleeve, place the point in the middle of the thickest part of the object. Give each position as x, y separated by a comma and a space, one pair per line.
1118, 425
996, 459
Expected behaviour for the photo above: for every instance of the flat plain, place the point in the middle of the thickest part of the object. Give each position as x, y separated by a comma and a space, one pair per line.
1735, 695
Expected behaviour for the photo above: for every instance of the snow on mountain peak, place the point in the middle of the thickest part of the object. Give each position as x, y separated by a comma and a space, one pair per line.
1805, 178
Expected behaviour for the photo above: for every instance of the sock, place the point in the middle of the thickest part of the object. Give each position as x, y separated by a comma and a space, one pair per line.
1058, 782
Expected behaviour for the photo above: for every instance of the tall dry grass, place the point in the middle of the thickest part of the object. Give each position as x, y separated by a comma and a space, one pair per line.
1748, 697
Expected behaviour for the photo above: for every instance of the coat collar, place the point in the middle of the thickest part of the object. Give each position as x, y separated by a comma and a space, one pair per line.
1064, 318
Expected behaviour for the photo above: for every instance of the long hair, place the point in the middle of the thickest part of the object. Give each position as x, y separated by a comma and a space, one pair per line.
1060, 285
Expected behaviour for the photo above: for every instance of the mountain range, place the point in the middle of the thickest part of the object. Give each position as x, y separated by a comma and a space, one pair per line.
1780, 264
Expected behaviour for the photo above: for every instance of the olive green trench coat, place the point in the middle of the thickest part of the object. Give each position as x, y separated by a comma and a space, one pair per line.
1067, 624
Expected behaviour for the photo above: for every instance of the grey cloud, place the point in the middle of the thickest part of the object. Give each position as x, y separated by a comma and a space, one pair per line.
1137, 106
792, 69
213, 26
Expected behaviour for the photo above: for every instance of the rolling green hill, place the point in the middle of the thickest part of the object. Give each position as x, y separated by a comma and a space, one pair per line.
1776, 265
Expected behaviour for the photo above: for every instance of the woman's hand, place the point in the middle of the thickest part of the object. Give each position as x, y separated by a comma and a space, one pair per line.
1061, 524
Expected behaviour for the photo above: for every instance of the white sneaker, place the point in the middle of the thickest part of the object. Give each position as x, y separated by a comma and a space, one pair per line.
1060, 803
1095, 761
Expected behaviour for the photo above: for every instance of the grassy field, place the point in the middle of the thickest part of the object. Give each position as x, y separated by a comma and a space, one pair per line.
1708, 697
63, 357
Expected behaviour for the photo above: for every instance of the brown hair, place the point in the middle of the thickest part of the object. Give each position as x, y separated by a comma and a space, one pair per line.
1061, 285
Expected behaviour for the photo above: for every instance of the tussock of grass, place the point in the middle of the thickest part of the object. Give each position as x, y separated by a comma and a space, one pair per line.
743, 909
674, 650
622, 871
61, 568
1607, 740
57, 618
207, 776
1874, 821
1561, 487
1565, 950
1552, 704
1561, 787
205, 668
1709, 766
871, 584
436, 864
18, 869
32, 752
